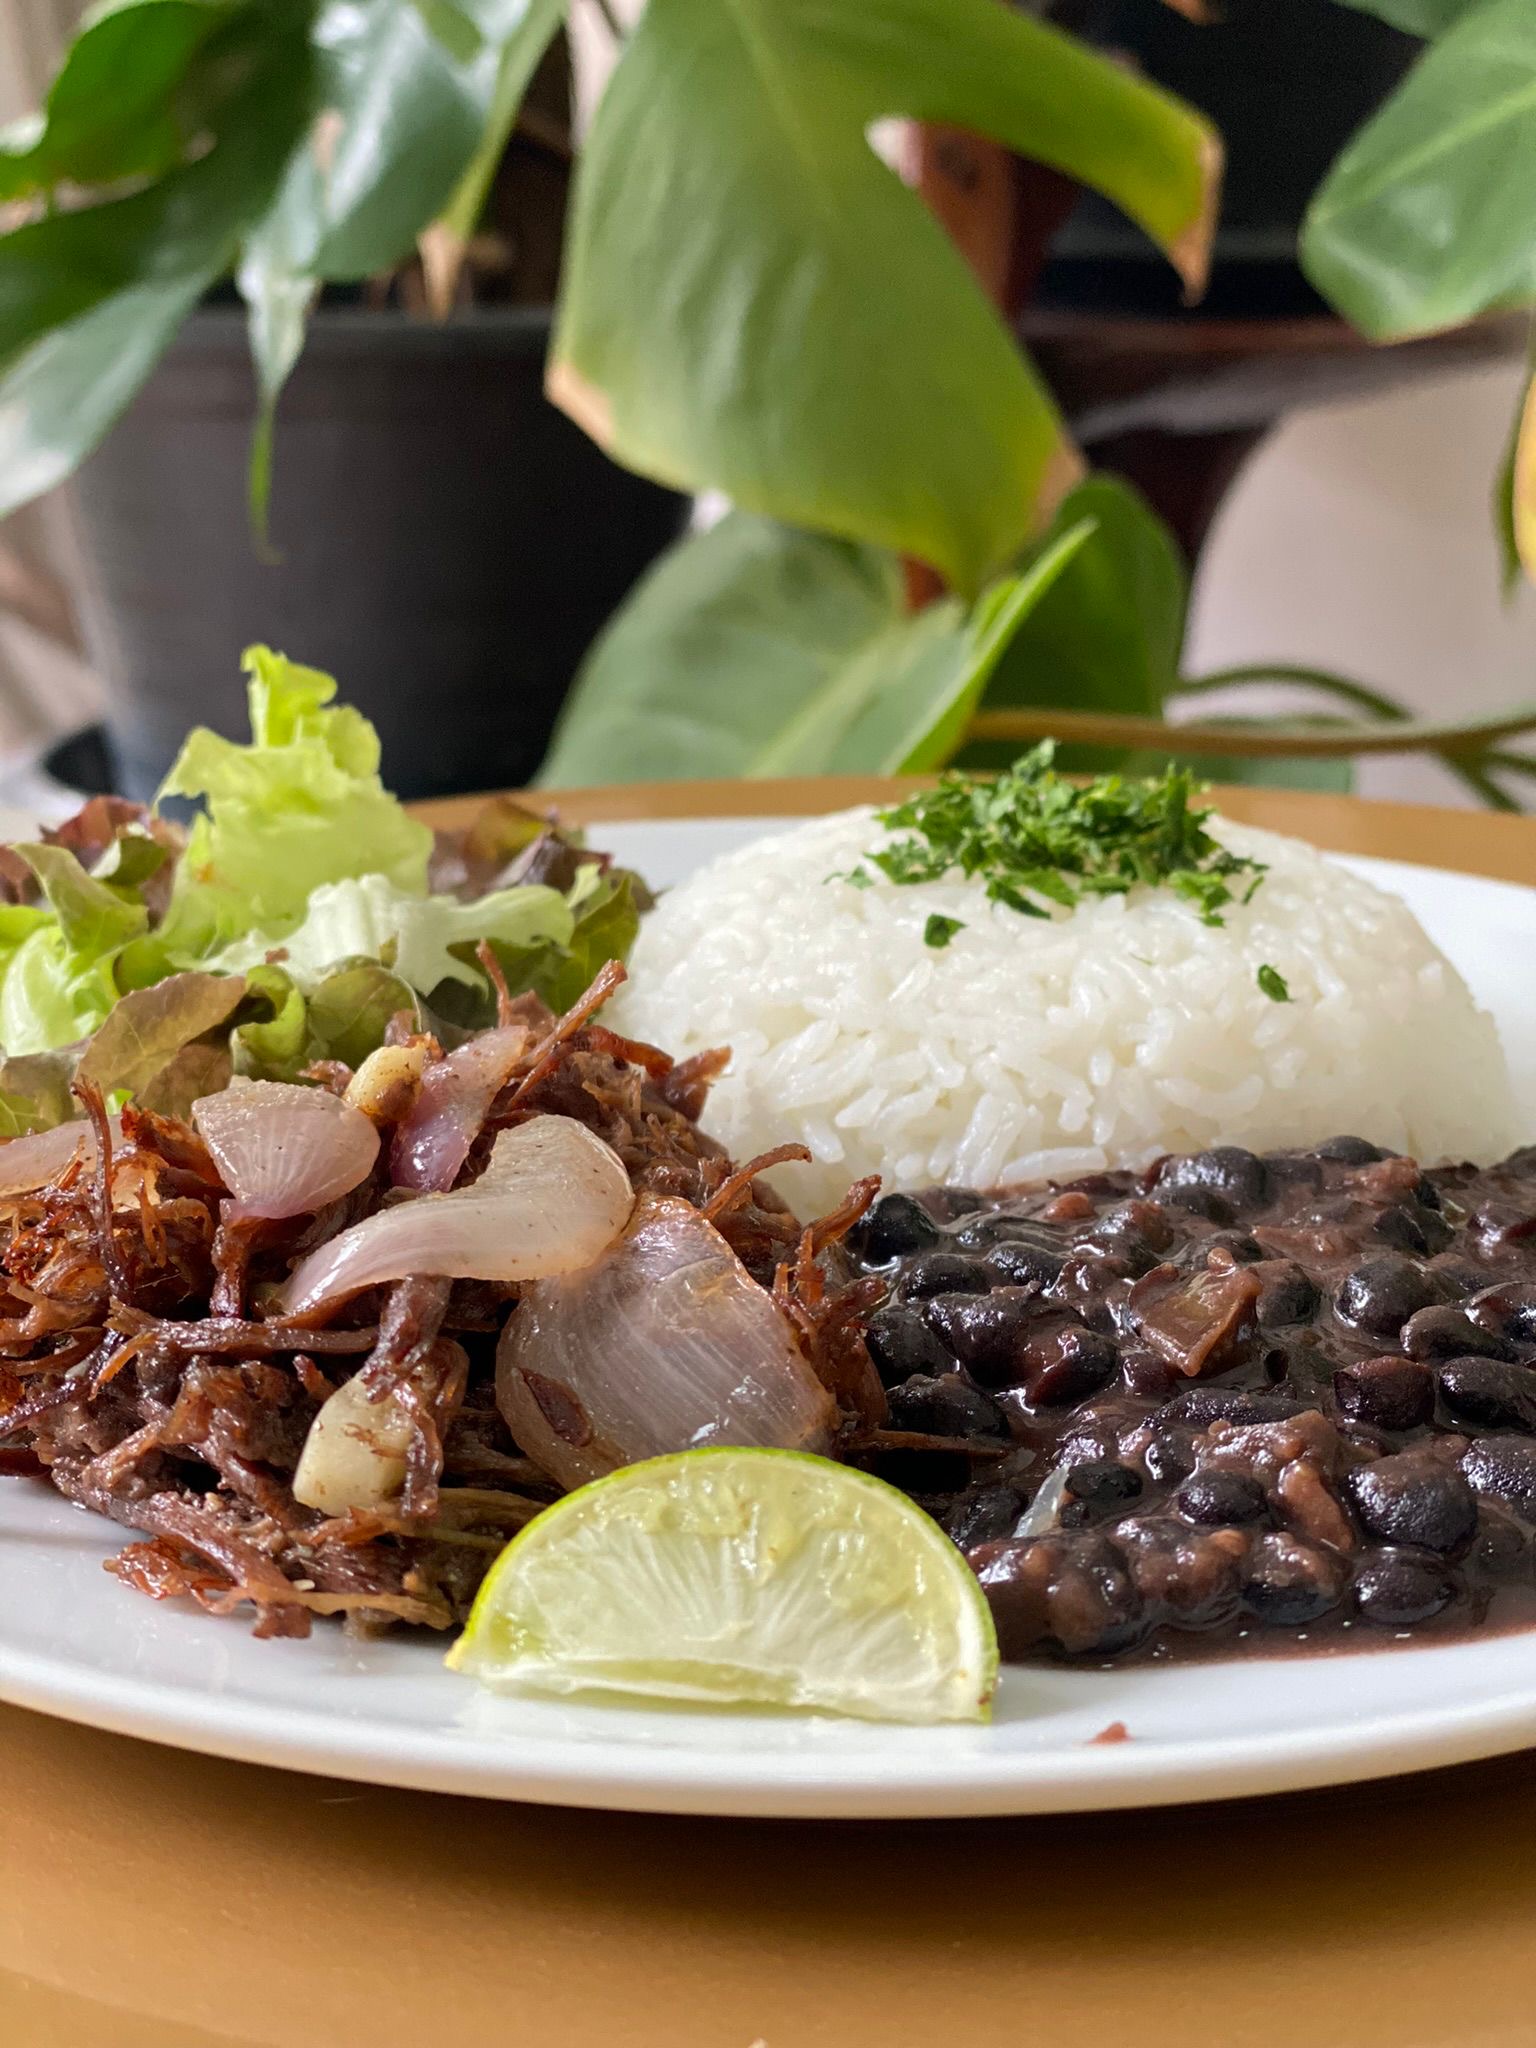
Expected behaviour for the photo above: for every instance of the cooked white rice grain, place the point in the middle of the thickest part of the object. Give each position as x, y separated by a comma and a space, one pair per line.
1031, 1047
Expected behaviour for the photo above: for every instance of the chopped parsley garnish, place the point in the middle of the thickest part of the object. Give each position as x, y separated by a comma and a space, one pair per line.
1037, 839
938, 931
1272, 981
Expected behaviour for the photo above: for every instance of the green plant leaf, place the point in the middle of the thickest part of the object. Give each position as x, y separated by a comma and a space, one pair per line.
524, 29
410, 97
716, 649
1425, 219
765, 308
933, 733
757, 650
120, 106
88, 298
1108, 636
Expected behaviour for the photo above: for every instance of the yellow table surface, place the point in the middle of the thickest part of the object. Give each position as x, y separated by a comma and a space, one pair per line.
150, 1899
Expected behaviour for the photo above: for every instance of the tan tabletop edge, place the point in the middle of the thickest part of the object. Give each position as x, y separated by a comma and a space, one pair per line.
1475, 842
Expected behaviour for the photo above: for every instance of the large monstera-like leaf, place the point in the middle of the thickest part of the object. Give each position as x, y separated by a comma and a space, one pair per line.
90, 295
1426, 218
753, 301
755, 649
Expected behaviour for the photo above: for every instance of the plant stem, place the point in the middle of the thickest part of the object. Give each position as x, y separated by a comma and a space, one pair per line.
1287, 672
1481, 783
1268, 742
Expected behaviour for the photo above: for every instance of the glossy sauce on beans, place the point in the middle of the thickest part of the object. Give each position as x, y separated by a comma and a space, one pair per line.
1233, 1402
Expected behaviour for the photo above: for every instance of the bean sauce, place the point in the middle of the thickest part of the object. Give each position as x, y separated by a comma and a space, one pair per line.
1232, 1402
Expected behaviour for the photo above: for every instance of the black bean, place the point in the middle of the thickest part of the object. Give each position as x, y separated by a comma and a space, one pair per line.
894, 1228
1242, 1249
1488, 1393
1508, 1310
1072, 1589
1295, 1170
1019, 1262
1502, 1545
1060, 1365
1169, 1454
985, 1331
1393, 1393
1103, 1483
1136, 1232
901, 1343
1286, 1294
1217, 1498
985, 1515
1413, 1229
1189, 1577
1407, 1499
1445, 1331
1380, 1294
948, 1404
942, 1273
1289, 1582
1454, 1279
1351, 1151
1396, 1588
994, 1227
1145, 1373
1238, 1178
1205, 1405
1504, 1467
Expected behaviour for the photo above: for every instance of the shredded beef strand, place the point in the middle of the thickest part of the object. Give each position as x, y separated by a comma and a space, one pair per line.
735, 1188
230, 1333
485, 953
546, 1054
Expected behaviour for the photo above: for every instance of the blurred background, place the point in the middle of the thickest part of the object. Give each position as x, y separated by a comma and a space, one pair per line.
440, 532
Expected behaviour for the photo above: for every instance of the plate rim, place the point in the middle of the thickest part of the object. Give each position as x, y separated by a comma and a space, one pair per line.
551, 1769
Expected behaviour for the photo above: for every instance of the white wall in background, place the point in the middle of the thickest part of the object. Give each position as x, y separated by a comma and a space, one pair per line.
1358, 538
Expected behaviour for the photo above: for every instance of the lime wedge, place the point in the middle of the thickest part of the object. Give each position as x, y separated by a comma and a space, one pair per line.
738, 1578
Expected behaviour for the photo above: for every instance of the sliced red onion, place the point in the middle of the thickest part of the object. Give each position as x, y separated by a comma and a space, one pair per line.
433, 1143
354, 1453
33, 1161
665, 1344
285, 1150
551, 1199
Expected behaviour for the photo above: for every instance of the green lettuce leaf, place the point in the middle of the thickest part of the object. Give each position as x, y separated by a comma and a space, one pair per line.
369, 917
149, 1027
607, 920
309, 775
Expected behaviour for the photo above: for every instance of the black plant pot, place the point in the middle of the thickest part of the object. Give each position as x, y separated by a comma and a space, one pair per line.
449, 543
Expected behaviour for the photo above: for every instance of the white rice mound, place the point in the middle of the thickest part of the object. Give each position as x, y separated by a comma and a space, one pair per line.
1030, 1048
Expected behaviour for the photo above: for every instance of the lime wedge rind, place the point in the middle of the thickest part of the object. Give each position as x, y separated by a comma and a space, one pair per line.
733, 1577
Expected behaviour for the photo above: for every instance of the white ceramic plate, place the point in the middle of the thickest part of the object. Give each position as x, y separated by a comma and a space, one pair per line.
73, 1642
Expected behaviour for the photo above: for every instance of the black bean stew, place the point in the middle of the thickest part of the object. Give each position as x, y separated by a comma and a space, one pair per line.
1231, 1399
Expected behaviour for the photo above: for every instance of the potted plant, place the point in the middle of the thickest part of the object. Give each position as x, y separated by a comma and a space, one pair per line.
750, 301
437, 530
